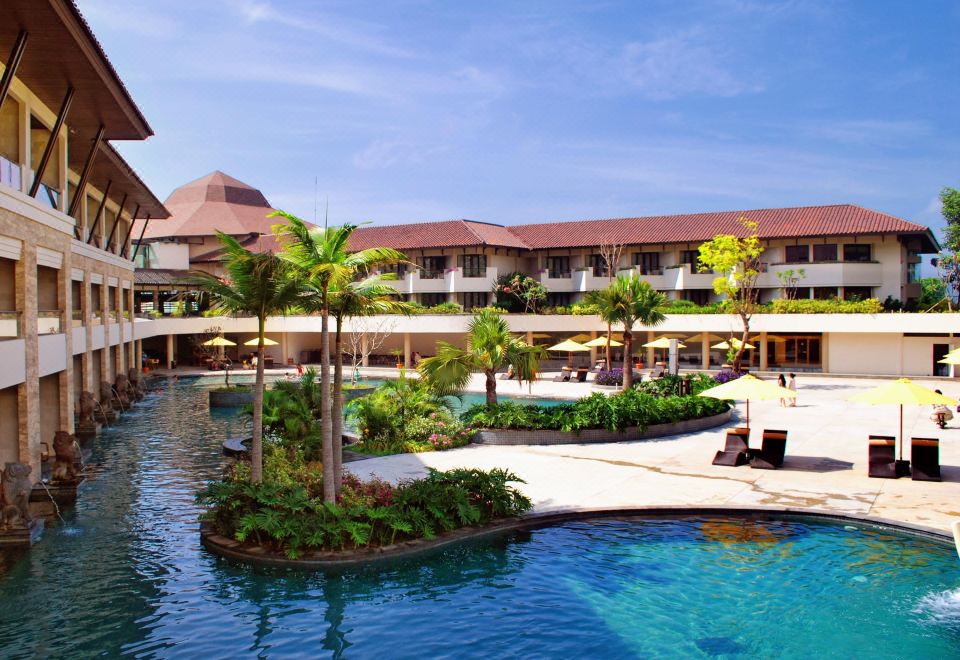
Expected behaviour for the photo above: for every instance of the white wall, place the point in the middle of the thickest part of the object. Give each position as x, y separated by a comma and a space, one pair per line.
171, 255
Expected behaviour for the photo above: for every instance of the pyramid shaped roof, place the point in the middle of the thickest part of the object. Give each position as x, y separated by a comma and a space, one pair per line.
213, 202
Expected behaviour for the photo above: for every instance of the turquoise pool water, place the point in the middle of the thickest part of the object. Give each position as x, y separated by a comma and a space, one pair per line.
125, 576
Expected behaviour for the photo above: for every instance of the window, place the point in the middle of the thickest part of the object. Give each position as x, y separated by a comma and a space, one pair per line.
857, 292
856, 252
559, 299
825, 292
648, 263
398, 269
473, 265
691, 257
432, 299
472, 300
797, 254
431, 268
825, 252
800, 293
558, 266
599, 265
697, 296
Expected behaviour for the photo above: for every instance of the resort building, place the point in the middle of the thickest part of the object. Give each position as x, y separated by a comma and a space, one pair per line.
67, 205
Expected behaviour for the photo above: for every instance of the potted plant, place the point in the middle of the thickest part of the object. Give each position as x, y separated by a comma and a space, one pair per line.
398, 353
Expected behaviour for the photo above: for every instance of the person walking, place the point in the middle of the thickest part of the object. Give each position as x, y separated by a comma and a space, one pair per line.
792, 385
782, 382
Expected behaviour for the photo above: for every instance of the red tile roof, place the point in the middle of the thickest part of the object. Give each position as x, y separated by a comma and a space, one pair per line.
837, 220
446, 233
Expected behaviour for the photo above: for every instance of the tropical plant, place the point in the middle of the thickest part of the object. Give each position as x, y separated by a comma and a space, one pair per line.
609, 377
257, 284
491, 347
736, 260
518, 292
948, 261
321, 257
291, 412
628, 301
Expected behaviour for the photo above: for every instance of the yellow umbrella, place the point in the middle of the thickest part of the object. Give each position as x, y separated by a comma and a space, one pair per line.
583, 336
219, 341
570, 347
902, 392
734, 343
662, 342
776, 339
602, 341
266, 342
950, 358
749, 387
699, 338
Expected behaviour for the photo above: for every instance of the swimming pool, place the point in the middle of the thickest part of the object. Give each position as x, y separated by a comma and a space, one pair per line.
125, 575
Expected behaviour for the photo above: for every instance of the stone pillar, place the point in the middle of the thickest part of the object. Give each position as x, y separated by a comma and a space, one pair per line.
651, 352
825, 355
86, 312
593, 350
28, 392
406, 350
67, 395
132, 361
106, 366
763, 351
364, 350
170, 355
705, 351
530, 337
138, 354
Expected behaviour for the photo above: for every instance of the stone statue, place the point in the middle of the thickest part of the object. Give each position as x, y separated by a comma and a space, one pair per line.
106, 396
16, 495
69, 460
122, 390
136, 383
88, 406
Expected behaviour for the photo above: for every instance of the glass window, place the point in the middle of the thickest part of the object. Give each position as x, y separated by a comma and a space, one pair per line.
697, 296
431, 268
558, 266
856, 252
691, 257
797, 254
599, 265
857, 292
559, 299
648, 262
473, 265
473, 299
825, 292
825, 252
398, 269
432, 299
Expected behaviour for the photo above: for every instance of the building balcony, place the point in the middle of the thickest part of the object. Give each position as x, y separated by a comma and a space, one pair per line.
9, 325
453, 280
682, 277
49, 322
836, 273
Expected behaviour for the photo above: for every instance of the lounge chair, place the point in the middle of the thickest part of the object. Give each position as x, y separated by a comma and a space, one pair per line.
736, 450
882, 457
770, 455
563, 376
925, 459
582, 375
656, 372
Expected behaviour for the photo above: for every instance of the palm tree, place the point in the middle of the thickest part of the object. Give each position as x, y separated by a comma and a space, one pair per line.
629, 300
322, 258
490, 347
367, 297
256, 284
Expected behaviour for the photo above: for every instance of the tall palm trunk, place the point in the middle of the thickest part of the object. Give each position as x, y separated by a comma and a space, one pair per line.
491, 387
336, 416
326, 419
256, 448
627, 358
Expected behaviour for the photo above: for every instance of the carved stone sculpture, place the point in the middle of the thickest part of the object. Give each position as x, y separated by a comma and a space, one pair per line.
69, 460
106, 396
122, 391
88, 406
16, 495
136, 383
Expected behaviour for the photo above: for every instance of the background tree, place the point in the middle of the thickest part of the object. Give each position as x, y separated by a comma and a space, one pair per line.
629, 300
491, 348
517, 292
790, 278
737, 262
610, 253
948, 261
367, 336
257, 284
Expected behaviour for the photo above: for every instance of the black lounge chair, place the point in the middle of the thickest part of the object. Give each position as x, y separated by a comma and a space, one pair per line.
582, 375
883, 457
770, 455
736, 450
925, 458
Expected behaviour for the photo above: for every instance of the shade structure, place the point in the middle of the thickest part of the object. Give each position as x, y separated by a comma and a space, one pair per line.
733, 343
776, 339
950, 358
662, 342
570, 347
699, 338
219, 341
583, 336
749, 387
266, 342
602, 341
902, 392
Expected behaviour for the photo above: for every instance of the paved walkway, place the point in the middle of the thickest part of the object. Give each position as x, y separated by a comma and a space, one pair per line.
825, 468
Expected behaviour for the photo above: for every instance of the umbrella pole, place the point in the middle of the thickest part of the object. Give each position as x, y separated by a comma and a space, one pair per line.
901, 431
748, 413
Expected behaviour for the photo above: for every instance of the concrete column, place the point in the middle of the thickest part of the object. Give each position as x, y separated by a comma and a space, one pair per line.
87, 359
170, 355
132, 361
530, 337
825, 354
593, 350
106, 365
364, 350
651, 352
283, 348
28, 393
138, 353
67, 395
705, 351
763, 351
406, 350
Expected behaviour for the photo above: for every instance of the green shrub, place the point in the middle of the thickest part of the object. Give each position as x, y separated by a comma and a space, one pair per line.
445, 308
582, 309
811, 306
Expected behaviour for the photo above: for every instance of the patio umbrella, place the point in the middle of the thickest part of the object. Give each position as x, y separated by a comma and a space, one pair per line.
266, 342
950, 358
219, 341
699, 338
733, 343
776, 339
749, 387
662, 342
570, 347
602, 341
583, 336
902, 392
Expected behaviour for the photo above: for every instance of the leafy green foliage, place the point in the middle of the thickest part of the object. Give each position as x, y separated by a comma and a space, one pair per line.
518, 292
811, 306
638, 407
287, 512
291, 412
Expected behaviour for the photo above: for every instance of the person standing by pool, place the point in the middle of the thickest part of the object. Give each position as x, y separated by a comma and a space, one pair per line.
792, 385
782, 382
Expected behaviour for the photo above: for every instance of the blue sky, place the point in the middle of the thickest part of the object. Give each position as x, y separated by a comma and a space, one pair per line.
537, 111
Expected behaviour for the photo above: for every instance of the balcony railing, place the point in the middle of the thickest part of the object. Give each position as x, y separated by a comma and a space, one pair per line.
10, 174
474, 272
9, 325
76, 316
96, 319
431, 274
49, 196
49, 321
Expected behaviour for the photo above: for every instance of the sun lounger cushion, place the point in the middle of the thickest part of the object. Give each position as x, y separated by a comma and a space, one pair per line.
770, 455
925, 459
882, 455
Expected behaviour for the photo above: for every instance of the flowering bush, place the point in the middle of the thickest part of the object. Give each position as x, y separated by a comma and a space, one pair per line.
436, 432
375, 492
726, 376
517, 292
610, 377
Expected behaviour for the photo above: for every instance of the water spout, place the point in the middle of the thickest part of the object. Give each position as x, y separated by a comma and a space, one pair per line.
55, 506
119, 400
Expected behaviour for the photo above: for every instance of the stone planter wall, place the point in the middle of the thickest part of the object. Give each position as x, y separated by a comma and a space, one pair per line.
230, 399
550, 437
